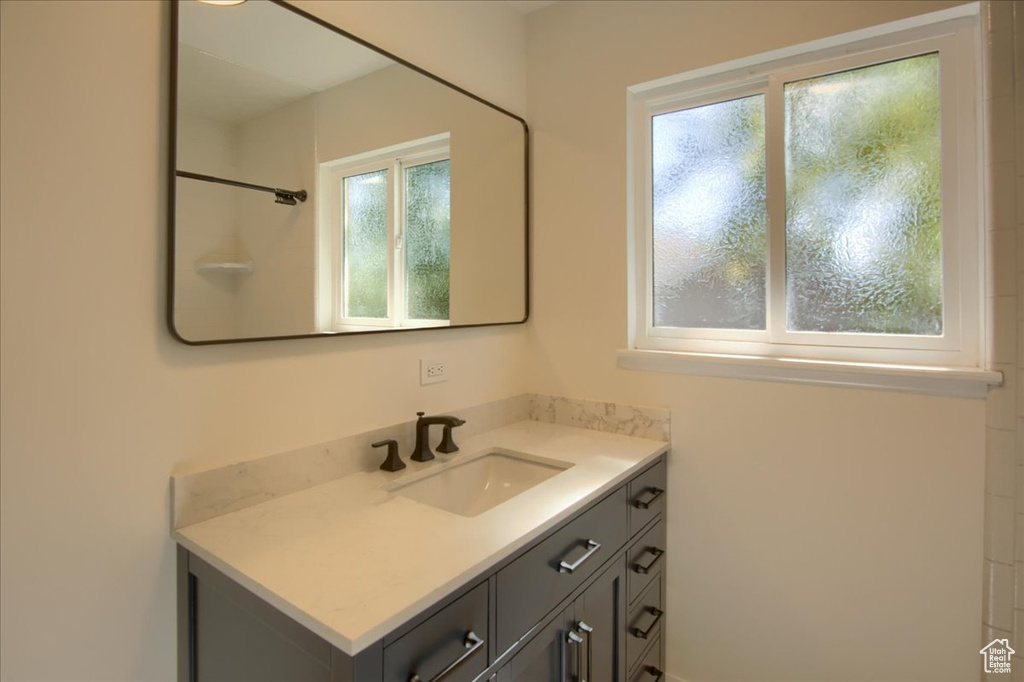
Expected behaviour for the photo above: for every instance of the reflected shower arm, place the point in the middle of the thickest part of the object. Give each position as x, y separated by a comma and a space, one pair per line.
283, 196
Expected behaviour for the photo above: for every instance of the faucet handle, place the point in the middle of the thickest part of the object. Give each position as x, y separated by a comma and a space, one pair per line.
393, 461
447, 444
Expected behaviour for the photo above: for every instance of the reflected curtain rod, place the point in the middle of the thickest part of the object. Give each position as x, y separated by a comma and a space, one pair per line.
283, 196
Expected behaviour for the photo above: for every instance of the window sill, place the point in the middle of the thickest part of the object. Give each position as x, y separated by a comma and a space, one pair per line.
943, 381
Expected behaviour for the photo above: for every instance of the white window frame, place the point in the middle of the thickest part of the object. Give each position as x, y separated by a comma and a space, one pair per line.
394, 160
955, 35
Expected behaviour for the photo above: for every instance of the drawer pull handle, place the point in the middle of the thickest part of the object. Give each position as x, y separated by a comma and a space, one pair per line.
472, 644
655, 671
573, 638
588, 630
592, 547
640, 568
657, 613
646, 504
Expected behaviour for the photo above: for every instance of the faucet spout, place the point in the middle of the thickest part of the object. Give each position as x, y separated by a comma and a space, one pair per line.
421, 451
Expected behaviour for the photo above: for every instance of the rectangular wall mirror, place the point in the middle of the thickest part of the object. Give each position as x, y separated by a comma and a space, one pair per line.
320, 185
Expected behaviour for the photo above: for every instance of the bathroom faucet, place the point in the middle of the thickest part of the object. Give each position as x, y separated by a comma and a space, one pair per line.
421, 451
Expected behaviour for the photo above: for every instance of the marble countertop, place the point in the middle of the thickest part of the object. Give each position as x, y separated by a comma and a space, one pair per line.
351, 561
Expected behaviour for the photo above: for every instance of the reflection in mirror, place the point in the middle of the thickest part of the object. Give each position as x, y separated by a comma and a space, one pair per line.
322, 187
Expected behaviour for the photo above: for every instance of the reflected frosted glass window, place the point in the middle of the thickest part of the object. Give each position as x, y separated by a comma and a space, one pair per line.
427, 240
863, 209
709, 219
366, 245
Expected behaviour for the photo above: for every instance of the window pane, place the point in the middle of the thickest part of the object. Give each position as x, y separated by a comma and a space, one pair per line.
366, 245
863, 209
427, 239
708, 174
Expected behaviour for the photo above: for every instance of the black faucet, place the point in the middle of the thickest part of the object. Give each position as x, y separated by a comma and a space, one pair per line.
421, 451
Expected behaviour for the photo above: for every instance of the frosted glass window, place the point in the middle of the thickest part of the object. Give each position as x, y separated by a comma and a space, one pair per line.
366, 245
817, 204
709, 216
427, 240
863, 202
393, 229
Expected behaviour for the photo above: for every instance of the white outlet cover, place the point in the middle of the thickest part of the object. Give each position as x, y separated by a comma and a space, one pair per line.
428, 373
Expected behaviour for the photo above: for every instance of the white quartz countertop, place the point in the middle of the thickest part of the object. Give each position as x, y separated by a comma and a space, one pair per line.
352, 562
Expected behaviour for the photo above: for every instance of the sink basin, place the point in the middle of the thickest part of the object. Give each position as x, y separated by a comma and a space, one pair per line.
479, 483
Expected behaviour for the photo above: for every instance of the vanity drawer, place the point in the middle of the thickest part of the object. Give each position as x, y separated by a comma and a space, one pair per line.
647, 496
652, 667
454, 635
644, 560
644, 622
532, 584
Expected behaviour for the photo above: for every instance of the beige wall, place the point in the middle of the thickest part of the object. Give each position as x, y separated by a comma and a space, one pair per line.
814, 533
97, 402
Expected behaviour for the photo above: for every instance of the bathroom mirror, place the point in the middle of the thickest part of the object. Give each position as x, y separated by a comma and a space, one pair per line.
320, 185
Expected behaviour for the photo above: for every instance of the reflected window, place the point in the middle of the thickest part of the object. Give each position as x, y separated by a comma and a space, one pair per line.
388, 216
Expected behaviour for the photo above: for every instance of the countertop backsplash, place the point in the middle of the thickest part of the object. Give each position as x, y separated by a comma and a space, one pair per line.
627, 420
198, 496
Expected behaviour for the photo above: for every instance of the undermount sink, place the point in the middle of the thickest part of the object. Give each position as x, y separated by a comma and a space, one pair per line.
479, 483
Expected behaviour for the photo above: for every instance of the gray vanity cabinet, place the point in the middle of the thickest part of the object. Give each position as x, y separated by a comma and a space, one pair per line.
651, 669
583, 642
452, 642
582, 603
558, 565
545, 656
600, 619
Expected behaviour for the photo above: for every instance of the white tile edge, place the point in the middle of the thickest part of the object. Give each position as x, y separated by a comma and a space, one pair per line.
939, 381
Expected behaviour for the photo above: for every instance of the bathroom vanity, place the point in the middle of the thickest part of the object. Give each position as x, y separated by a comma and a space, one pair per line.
356, 580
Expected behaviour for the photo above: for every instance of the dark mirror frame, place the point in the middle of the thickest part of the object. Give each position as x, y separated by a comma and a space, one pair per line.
172, 188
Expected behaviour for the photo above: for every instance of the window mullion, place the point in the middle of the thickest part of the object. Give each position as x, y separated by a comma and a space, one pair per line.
396, 312
339, 283
775, 181
646, 268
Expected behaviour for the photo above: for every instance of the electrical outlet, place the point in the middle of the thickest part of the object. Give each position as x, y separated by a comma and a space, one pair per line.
432, 372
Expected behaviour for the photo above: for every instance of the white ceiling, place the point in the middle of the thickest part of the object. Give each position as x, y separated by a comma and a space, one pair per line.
238, 62
241, 61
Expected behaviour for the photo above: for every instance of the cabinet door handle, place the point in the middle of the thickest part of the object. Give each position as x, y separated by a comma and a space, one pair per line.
472, 644
657, 613
641, 568
655, 671
592, 547
586, 629
573, 638
646, 504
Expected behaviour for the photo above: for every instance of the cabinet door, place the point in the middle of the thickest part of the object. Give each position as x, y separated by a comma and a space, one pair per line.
551, 656
237, 637
601, 621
